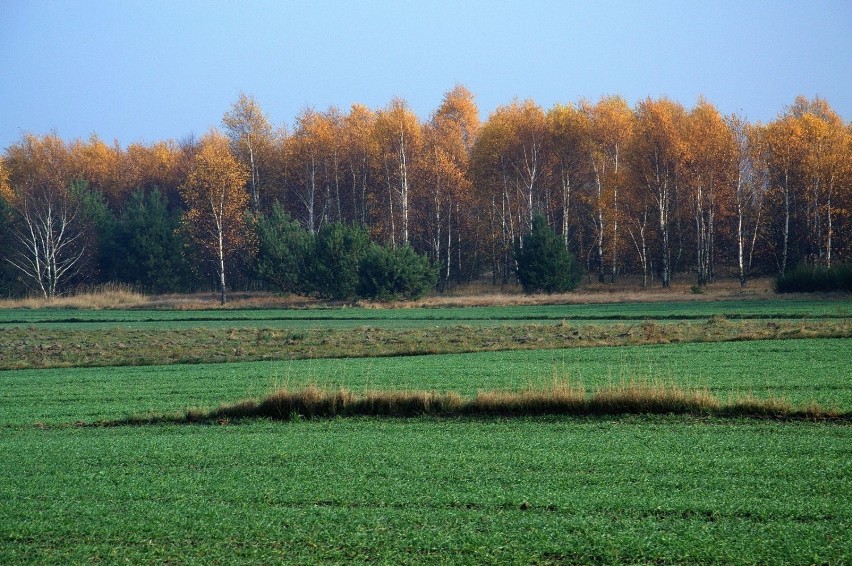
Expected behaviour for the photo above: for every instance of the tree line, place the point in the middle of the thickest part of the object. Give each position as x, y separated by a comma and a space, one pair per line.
645, 191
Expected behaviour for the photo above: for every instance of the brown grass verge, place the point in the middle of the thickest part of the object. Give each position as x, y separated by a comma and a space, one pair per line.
107, 296
624, 399
627, 290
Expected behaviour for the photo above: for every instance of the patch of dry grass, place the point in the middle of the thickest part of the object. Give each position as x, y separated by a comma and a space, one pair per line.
478, 294
106, 296
634, 398
626, 290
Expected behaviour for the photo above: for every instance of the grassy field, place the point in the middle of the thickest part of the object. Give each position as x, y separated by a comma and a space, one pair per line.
663, 489
413, 317
412, 491
800, 371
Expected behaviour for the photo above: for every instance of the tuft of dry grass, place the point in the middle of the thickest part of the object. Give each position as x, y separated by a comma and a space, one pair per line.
312, 402
560, 399
476, 294
626, 290
634, 398
640, 398
106, 296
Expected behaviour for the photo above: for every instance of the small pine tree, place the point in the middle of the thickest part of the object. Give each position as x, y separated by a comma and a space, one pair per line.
10, 283
393, 273
100, 225
284, 249
149, 250
337, 253
544, 265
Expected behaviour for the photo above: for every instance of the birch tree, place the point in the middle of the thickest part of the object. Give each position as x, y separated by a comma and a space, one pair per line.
250, 133
749, 188
445, 165
398, 135
359, 150
653, 159
48, 227
611, 125
708, 169
783, 139
308, 147
569, 164
824, 167
216, 201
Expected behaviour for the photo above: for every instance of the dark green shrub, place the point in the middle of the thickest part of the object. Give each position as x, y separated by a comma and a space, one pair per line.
148, 248
544, 265
284, 251
335, 259
804, 279
100, 233
394, 273
10, 283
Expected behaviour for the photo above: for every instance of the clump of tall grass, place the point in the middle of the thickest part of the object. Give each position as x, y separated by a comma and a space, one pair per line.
634, 398
312, 402
560, 399
105, 296
805, 279
641, 398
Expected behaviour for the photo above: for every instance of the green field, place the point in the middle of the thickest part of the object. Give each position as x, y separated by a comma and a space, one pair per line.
798, 370
413, 317
526, 491
660, 489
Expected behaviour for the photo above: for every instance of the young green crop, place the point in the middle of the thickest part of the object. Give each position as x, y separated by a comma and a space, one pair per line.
521, 490
659, 490
778, 309
800, 371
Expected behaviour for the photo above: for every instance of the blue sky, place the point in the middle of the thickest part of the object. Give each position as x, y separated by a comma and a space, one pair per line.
152, 70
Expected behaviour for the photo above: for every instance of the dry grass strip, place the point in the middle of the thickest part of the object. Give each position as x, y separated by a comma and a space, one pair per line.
106, 296
624, 399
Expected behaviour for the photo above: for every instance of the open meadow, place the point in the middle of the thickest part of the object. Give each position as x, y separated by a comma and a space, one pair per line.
83, 481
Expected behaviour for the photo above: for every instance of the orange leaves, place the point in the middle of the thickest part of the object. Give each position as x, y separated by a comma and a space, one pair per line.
5, 188
246, 120
398, 136
96, 162
251, 139
611, 124
152, 165
316, 136
215, 195
456, 122
215, 176
657, 142
599, 171
449, 137
809, 143
708, 150
38, 166
512, 147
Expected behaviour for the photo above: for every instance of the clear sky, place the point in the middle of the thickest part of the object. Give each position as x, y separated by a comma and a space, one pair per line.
157, 69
